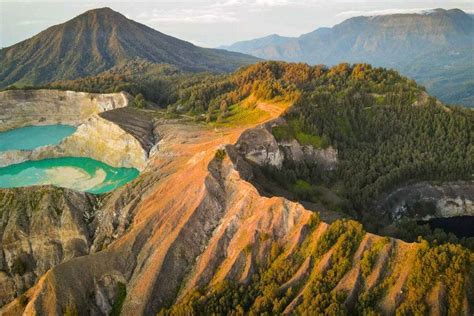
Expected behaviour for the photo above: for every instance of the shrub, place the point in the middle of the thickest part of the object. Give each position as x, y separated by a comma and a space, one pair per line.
120, 298
18, 266
139, 101
71, 310
220, 154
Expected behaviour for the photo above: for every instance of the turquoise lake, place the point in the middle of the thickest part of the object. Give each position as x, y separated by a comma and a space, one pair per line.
31, 137
80, 174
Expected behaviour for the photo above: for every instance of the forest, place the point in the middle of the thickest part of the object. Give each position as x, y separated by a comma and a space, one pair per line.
387, 131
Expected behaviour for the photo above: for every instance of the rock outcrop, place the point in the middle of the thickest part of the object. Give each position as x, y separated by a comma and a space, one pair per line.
40, 227
260, 146
139, 124
426, 200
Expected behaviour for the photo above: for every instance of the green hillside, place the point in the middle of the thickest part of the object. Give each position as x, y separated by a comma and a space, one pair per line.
434, 48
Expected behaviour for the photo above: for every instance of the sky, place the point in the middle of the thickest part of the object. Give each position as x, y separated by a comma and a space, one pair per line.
209, 23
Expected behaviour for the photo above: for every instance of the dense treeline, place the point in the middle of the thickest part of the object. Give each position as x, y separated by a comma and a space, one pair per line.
411, 231
383, 145
199, 93
448, 264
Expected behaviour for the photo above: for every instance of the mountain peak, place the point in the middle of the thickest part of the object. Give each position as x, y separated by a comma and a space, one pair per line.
104, 13
103, 10
98, 40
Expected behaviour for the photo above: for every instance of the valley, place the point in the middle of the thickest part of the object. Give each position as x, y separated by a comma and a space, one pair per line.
144, 175
196, 227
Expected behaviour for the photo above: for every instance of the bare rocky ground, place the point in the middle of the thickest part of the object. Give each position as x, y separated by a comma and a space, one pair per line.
191, 219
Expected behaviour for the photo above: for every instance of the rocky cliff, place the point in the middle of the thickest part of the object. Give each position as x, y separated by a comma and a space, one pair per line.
258, 145
191, 227
19, 108
426, 200
39, 228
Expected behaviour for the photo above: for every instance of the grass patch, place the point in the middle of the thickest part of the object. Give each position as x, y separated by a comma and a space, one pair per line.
239, 115
308, 139
282, 133
247, 112
304, 190
294, 130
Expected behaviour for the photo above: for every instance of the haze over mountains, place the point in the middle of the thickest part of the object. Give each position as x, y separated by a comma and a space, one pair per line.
96, 41
435, 48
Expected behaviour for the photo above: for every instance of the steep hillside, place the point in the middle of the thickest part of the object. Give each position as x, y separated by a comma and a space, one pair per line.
96, 41
194, 236
435, 48
198, 233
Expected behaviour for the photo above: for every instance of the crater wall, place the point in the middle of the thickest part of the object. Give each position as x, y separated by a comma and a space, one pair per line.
20, 108
97, 138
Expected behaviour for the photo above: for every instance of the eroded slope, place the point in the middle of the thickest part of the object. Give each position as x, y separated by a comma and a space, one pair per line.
192, 233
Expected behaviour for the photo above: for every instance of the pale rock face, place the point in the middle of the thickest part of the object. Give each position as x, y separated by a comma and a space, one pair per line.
293, 150
448, 199
458, 206
326, 158
105, 141
20, 108
97, 138
259, 146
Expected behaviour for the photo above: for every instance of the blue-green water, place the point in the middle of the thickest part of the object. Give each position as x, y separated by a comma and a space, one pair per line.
81, 174
31, 137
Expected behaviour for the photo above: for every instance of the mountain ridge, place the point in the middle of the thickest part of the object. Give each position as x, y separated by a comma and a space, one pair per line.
96, 41
418, 45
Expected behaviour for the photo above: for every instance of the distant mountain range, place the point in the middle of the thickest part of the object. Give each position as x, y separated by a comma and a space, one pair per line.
436, 48
98, 40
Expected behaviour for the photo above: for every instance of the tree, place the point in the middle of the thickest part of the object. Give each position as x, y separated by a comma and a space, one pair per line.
139, 101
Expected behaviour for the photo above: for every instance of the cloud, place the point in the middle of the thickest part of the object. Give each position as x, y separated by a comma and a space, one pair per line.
31, 22
198, 16
346, 14
252, 4
272, 3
